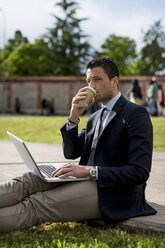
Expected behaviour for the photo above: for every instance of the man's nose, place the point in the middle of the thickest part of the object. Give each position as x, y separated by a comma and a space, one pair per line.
92, 84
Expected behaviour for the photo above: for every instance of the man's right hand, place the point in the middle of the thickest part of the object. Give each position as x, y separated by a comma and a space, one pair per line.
78, 108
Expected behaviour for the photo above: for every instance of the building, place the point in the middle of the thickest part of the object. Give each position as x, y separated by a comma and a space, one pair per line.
26, 94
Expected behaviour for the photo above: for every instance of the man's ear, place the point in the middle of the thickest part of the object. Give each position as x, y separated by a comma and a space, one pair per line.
115, 81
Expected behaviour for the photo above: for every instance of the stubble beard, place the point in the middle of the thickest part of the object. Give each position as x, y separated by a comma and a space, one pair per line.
104, 99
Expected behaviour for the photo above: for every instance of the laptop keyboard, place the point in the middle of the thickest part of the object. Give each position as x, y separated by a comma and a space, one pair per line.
47, 169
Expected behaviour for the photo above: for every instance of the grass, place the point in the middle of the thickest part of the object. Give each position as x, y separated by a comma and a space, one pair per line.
71, 235
159, 133
47, 129
35, 129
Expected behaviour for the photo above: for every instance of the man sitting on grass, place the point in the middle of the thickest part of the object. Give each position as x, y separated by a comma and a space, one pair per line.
115, 151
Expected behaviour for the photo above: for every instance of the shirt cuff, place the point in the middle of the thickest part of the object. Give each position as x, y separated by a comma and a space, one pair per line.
70, 127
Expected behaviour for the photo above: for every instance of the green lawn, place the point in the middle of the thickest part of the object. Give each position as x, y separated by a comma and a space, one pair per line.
35, 129
159, 133
47, 129
80, 236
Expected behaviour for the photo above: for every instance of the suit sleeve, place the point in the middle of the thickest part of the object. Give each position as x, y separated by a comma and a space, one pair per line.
139, 154
72, 142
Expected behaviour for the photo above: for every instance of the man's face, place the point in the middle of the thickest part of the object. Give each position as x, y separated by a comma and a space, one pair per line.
105, 88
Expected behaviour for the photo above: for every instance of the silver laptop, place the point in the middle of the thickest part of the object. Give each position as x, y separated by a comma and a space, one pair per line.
43, 170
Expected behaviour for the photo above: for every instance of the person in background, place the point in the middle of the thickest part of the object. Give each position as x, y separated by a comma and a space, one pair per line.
136, 90
160, 100
17, 105
152, 97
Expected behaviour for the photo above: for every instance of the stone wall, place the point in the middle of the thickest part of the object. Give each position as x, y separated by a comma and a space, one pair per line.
58, 90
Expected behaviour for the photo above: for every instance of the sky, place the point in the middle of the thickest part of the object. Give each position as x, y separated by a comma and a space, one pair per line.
105, 17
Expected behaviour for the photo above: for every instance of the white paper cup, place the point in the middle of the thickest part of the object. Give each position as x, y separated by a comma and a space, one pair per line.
91, 93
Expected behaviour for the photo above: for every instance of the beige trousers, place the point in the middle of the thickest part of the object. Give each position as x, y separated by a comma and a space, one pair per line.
28, 200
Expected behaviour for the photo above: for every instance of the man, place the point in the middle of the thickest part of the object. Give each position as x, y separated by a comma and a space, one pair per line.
115, 150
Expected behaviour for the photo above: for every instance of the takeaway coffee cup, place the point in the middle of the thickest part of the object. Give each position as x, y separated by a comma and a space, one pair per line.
91, 93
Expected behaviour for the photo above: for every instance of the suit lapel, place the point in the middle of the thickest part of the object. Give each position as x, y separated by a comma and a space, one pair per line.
110, 118
117, 107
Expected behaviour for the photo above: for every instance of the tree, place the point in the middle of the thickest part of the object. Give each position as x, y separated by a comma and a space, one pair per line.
63, 51
2, 63
152, 59
123, 51
11, 45
67, 41
30, 60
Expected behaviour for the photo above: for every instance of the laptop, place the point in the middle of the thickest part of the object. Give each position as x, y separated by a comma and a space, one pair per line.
43, 170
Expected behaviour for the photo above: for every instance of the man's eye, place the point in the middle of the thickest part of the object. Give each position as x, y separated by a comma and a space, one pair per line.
97, 79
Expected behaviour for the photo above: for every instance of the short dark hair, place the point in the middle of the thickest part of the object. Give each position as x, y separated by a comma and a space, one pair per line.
108, 65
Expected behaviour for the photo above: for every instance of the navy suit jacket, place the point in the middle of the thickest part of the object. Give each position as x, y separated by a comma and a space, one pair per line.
123, 156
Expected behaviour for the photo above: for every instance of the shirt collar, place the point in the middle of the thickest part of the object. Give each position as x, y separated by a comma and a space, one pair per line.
112, 102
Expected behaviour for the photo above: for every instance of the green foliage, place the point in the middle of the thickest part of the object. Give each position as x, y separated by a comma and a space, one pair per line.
12, 44
152, 60
67, 41
65, 50
10, 47
123, 51
30, 60
72, 235
1, 62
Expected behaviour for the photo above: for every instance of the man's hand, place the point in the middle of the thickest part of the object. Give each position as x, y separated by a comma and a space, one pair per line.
73, 170
78, 108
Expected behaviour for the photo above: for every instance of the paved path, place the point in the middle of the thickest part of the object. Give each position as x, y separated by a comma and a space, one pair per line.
12, 165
